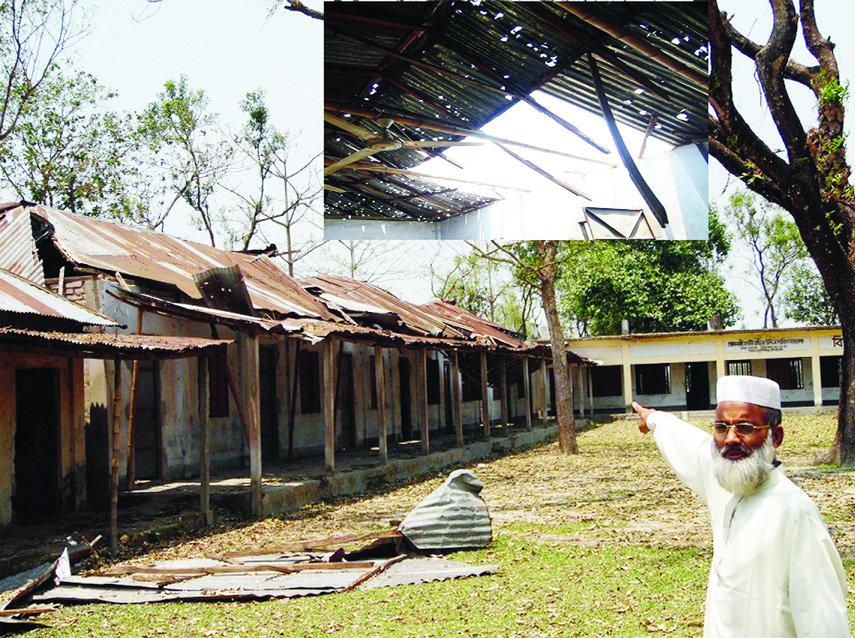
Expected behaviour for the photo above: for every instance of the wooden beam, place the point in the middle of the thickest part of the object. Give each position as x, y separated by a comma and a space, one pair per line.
383, 423
403, 171
130, 477
423, 401
328, 357
527, 392
477, 83
647, 132
204, 445
544, 173
249, 362
458, 402
485, 397
114, 461
504, 402
592, 16
455, 130
292, 416
646, 192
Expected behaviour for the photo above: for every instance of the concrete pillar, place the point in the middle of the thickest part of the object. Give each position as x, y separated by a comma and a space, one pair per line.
627, 385
544, 392
816, 378
383, 424
589, 378
485, 397
526, 392
444, 426
458, 401
328, 365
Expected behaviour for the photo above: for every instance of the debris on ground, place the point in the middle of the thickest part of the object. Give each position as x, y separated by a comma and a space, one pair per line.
453, 517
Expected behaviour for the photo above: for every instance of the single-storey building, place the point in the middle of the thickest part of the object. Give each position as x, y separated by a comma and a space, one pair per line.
678, 371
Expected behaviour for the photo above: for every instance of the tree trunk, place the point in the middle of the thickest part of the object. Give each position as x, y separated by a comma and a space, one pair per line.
564, 392
846, 410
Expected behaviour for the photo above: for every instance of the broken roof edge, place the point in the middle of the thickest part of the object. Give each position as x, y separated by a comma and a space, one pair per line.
315, 330
127, 346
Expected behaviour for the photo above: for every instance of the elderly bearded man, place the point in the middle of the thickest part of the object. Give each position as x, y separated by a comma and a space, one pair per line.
775, 571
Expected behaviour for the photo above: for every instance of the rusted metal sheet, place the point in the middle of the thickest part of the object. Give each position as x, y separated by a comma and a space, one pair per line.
157, 257
17, 247
413, 318
453, 516
173, 582
473, 324
22, 296
126, 345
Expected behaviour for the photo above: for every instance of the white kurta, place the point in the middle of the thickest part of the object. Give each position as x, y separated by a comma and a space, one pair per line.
775, 570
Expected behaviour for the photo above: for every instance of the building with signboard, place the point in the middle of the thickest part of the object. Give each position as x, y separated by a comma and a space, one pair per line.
678, 371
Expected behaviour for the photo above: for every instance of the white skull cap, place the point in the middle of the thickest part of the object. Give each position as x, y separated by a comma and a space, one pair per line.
757, 390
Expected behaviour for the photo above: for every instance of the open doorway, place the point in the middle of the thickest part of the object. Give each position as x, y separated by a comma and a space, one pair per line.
147, 422
268, 404
36, 444
697, 386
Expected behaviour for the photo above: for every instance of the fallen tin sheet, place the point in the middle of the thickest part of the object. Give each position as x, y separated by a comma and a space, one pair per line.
425, 570
183, 580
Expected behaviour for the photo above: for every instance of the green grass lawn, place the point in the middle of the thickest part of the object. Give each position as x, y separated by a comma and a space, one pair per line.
605, 543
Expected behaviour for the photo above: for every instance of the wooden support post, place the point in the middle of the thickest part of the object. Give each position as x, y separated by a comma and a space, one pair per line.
114, 461
328, 356
527, 392
292, 416
249, 377
383, 425
204, 446
458, 400
504, 402
130, 477
485, 397
132, 458
544, 392
423, 401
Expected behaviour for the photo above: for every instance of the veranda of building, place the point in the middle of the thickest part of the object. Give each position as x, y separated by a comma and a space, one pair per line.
678, 371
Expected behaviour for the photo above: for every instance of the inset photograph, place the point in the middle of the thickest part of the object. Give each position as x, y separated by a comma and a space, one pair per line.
515, 120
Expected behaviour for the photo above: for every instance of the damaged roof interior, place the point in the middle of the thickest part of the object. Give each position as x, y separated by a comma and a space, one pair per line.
405, 81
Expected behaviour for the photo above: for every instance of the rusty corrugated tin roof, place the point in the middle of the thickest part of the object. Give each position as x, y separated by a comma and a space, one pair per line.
412, 317
145, 254
125, 345
17, 247
476, 325
21, 296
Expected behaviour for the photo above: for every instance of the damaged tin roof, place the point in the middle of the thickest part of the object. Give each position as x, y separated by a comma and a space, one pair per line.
21, 296
145, 254
101, 345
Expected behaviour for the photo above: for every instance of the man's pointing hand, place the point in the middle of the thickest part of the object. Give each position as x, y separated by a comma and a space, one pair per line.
643, 413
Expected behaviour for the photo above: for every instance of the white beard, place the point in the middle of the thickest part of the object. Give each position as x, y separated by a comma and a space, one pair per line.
745, 476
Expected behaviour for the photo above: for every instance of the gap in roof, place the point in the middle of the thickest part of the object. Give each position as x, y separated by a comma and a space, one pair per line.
522, 123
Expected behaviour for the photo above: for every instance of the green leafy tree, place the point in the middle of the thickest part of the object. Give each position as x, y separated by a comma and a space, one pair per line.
806, 299
184, 157
68, 147
485, 287
774, 242
34, 35
657, 286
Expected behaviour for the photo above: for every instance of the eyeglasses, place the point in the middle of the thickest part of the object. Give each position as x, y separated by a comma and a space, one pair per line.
742, 429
